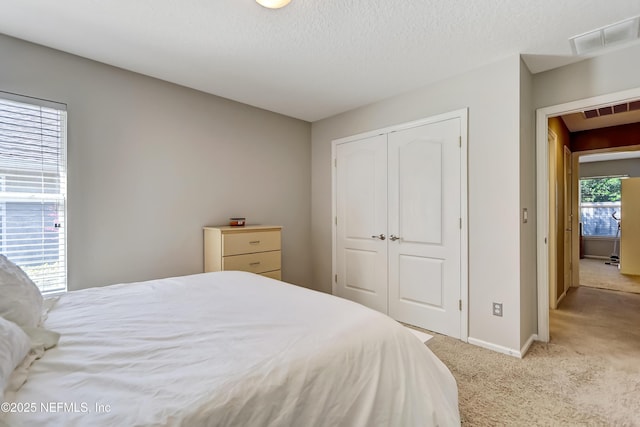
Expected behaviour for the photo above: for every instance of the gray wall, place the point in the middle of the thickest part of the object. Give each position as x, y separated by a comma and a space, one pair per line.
599, 247
528, 250
630, 167
150, 163
492, 95
612, 72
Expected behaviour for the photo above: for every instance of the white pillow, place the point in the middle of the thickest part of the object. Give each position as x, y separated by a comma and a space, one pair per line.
21, 300
14, 347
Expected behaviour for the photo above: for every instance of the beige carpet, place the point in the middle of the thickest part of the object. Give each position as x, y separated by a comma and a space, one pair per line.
594, 273
576, 380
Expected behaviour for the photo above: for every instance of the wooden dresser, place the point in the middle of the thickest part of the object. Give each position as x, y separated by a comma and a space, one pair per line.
254, 248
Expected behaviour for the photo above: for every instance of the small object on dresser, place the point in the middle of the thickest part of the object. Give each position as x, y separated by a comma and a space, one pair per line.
236, 222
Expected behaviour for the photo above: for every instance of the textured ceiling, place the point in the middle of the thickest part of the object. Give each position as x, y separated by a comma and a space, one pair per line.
314, 58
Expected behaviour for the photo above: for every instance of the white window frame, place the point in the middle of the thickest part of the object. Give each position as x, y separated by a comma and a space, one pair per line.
62, 196
597, 204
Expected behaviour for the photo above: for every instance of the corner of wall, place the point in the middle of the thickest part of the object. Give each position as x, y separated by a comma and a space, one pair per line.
528, 267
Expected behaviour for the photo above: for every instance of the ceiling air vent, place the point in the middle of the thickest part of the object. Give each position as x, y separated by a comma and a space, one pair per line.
623, 31
620, 108
590, 114
612, 109
605, 111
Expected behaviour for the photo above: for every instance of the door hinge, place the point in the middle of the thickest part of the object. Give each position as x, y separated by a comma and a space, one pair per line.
336, 220
460, 305
460, 141
335, 278
335, 163
460, 223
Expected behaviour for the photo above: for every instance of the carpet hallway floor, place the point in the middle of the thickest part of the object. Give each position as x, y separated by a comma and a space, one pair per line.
587, 375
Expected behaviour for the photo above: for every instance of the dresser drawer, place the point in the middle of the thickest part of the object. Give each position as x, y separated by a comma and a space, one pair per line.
273, 274
256, 263
244, 243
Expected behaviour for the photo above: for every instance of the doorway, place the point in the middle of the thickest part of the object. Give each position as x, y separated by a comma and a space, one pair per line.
544, 266
600, 208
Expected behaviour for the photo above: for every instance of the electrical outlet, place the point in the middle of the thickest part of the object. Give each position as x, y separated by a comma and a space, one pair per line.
497, 309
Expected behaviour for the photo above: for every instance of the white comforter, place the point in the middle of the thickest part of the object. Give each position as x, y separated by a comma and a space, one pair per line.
230, 349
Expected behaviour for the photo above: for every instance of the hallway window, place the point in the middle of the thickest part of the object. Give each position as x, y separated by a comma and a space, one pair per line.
600, 205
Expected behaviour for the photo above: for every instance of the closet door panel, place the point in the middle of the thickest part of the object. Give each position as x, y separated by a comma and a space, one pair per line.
424, 215
412, 286
420, 198
361, 207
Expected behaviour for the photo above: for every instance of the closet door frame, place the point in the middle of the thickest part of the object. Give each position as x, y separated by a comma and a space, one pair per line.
462, 114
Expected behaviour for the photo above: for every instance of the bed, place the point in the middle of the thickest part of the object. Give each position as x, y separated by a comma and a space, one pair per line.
228, 349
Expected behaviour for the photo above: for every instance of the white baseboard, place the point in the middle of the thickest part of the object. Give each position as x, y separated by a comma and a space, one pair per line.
525, 347
496, 347
564, 294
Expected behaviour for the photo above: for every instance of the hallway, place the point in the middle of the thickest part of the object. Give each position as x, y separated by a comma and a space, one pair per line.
594, 273
598, 322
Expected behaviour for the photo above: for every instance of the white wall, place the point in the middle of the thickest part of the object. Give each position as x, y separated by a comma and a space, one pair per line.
528, 283
492, 94
150, 163
612, 72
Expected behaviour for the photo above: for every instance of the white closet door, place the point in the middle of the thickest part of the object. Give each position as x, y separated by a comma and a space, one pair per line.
361, 202
424, 212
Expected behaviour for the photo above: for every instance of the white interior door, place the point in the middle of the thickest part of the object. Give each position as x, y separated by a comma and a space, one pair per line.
361, 212
425, 226
568, 236
552, 231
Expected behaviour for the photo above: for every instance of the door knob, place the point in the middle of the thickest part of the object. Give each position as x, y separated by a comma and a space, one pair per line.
380, 237
394, 238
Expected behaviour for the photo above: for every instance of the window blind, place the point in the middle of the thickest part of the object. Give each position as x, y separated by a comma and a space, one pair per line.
33, 190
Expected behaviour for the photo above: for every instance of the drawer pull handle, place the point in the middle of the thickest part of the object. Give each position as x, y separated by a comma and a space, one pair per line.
254, 242
254, 263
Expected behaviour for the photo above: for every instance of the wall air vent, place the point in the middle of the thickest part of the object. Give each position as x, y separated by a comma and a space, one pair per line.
620, 32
